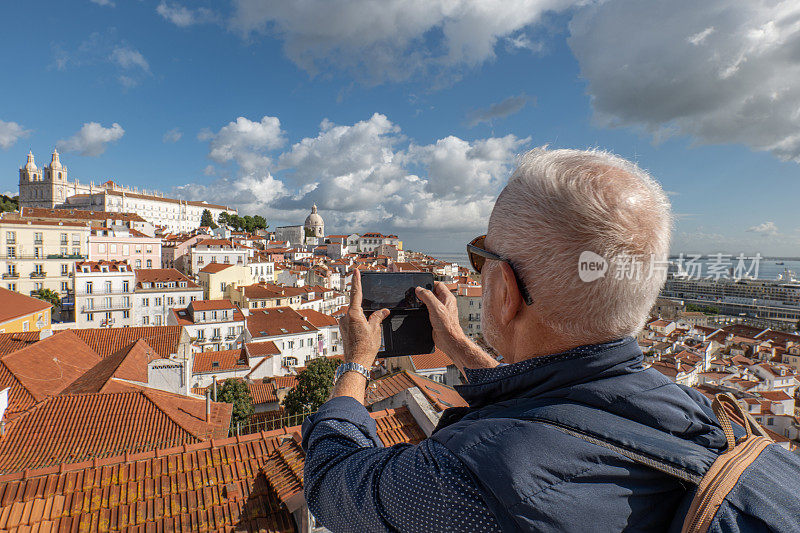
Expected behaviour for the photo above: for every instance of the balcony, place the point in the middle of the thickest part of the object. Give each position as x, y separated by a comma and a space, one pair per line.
38, 275
65, 256
11, 275
230, 336
115, 306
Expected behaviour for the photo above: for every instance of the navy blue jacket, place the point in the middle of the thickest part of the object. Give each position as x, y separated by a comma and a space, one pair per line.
488, 458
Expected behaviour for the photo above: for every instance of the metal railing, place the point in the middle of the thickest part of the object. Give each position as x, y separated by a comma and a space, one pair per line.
102, 307
270, 424
38, 275
11, 275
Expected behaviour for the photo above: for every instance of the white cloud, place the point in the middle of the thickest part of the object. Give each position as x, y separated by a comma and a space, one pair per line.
91, 139
765, 229
172, 136
505, 108
103, 2
10, 133
129, 59
183, 16
391, 39
369, 175
209, 170
245, 142
720, 71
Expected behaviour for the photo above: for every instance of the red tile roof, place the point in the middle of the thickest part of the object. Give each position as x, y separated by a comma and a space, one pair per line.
219, 486
319, 320
396, 426
11, 342
220, 361
15, 305
441, 396
106, 341
129, 363
163, 275
262, 349
427, 361
49, 366
213, 268
97, 266
283, 471
211, 305
78, 214
76, 427
277, 321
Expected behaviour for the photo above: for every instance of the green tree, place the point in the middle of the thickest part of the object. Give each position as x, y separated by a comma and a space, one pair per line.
313, 387
260, 222
48, 295
206, 219
9, 203
224, 218
235, 391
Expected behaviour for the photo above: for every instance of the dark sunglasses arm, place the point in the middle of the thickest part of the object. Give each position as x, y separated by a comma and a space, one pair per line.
489, 255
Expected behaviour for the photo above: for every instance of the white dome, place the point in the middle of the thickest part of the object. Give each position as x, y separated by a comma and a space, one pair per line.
314, 220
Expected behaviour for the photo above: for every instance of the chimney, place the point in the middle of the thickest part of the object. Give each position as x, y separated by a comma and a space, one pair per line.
215, 387
208, 407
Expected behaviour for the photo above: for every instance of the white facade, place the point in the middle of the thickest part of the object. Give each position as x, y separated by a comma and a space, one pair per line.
103, 294
49, 187
159, 291
262, 270
216, 251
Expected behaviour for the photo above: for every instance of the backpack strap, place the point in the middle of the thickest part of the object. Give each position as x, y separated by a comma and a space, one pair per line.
724, 474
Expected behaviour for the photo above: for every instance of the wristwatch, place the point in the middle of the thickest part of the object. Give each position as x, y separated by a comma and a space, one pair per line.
350, 367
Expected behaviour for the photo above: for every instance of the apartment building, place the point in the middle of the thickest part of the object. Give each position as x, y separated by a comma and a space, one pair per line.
119, 243
103, 294
158, 291
39, 254
218, 279
368, 242
293, 334
212, 324
262, 268
95, 218
266, 295
469, 302
328, 341
216, 251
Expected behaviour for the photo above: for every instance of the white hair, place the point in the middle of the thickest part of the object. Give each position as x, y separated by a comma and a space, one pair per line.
561, 203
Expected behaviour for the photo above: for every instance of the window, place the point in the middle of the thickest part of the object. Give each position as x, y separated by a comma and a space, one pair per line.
158, 320
126, 314
291, 344
107, 302
158, 300
109, 318
64, 270
64, 286
112, 248
201, 334
300, 344
145, 302
145, 320
126, 301
108, 286
138, 248
90, 317
125, 286
38, 238
149, 263
101, 248
76, 251
64, 239
290, 361
11, 252
11, 237
170, 300
770, 421
88, 287
37, 252
38, 270
138, 263
182, 300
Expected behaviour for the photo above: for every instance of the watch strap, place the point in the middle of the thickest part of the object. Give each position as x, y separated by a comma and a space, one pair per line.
350, 367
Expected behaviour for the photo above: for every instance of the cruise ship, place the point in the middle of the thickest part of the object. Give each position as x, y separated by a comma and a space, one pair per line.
777, 299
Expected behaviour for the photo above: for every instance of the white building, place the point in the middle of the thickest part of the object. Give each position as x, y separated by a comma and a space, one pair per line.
103, 294
159, 290
368, 242
50, 187
262, 269
212, 324
293, 334
470, 303
217, 251
328, 341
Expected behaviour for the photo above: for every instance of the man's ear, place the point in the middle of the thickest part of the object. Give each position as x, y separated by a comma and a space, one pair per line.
512, 297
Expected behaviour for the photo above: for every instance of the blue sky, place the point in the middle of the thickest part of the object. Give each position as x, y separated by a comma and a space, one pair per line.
404, 116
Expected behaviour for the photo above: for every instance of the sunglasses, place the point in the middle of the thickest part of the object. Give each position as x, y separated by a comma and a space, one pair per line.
478, 256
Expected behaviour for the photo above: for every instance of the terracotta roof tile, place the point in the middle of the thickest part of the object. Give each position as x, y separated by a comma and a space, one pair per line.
277, 321
219, 361
106, 341
396, 426
441, 396
78, 214
427, 361
211, 305
262, 349
76, 427
219, 486
262, 391
162, 275
50, 365
213, 268
11, 342
283, 471
129, 363
319, 320
14, 305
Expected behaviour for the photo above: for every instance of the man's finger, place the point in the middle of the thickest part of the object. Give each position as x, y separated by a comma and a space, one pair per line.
427, 297
377, 317
441, 291
355, 290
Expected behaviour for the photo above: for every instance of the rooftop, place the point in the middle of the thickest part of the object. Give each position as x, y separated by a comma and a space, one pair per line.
219, 361
164, 340
15, 305
441, 396
277, 321
427, 361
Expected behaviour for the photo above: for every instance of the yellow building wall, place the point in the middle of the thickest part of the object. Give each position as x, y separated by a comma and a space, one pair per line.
19, 324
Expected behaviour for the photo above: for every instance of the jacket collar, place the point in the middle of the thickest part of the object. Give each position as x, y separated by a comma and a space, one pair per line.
540, 375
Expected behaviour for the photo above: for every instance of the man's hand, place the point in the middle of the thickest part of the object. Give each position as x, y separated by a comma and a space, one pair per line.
447, 333
361, 339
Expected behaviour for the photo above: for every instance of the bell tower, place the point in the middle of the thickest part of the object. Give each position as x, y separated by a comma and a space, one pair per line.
55, 177
31, 185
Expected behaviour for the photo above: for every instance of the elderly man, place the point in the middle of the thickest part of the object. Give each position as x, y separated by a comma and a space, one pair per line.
565, 334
